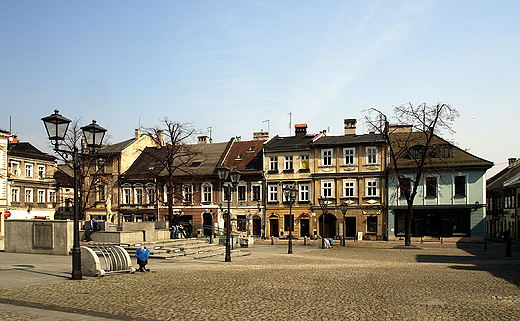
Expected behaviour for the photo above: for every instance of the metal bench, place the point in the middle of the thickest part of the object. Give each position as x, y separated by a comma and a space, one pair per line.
99, 259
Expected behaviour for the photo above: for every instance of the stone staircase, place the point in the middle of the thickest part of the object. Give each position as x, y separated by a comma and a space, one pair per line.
182, 249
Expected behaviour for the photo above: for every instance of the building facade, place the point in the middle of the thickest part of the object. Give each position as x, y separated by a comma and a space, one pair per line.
450, 200
30, 180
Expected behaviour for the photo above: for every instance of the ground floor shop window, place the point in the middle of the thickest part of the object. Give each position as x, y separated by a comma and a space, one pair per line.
372, 224
435, 223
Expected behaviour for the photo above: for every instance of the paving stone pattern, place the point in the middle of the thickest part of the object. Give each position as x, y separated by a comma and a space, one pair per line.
353, 283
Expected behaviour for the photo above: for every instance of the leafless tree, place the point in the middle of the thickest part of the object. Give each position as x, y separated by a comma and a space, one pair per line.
174, 154
90, 166
414, 150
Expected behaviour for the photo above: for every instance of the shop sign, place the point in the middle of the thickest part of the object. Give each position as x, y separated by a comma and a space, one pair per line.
371, 212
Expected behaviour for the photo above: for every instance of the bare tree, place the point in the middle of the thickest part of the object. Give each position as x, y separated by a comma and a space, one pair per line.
174, 155
414, 150
90, 169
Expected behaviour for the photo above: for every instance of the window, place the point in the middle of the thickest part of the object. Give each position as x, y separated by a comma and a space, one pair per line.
372, 224
225, 190
51, 196
241, 223
41, 196
29, 170
349, 186
15, 195
15, 169
304, 162
256, 193
127, 195
371, 155
405, 187
273, 163
241, 193
273, 193
101, 192
460, 185
288, 223
371, 187
416, 152
150, 192
206, 193
41, 171
187, 193
431, 186
444, 151
349, 156
326, 189
304, 192
28, 196
326, 157
288, 164
139, 195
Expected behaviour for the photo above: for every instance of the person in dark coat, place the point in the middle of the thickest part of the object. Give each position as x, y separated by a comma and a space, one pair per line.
176, 220
94, 227
142, 255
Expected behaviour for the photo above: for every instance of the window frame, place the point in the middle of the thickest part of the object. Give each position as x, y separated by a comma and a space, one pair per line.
455, 188
371, 155
304, 192
207, 193
41, 171
273, 163
51, 196
326, 187
241, 192
351, 156
288, 163
15, 191
127, 195
29, 196
187, 193
41, 196
304, 159
371, 184
273, 193
353, 188
327, 157
256, 190
29, 170
429, 187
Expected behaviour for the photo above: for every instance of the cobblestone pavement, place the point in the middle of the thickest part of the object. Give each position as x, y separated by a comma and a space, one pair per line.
352, 283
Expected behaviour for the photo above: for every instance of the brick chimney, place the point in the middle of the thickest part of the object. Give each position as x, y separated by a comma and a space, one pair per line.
300, 129
350, 126
203, 140
160, 138
260, 135
137, 133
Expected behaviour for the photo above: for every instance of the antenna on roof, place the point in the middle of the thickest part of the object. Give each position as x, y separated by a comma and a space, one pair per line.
209, 129
267, 120
290, 121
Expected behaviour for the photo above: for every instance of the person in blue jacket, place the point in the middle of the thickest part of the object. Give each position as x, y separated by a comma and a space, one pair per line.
142, 255
94, 227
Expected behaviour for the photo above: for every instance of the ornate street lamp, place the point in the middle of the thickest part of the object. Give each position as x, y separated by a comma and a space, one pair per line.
290, 196
324, 202
234, 176
57, 126
344, 207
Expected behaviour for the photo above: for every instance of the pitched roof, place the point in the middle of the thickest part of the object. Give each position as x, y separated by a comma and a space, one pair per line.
245, 156
458, 158
508, 177
148, 164
278, 143
25, 149
116, 148
371, 138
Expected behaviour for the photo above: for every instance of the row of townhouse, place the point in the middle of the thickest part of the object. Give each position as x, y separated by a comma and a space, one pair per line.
27, 185
503, 201
129, 183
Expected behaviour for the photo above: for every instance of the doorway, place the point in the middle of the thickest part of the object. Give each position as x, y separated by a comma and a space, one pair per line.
257, 226
207, 223
273, 227
305, 227
350, 226
330, 225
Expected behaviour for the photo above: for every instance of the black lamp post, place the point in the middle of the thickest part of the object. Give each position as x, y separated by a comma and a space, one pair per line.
323, 201
344, 207
234, 176
290, 196
56, 126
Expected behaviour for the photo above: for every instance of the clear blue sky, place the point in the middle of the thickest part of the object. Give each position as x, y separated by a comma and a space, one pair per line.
232, 65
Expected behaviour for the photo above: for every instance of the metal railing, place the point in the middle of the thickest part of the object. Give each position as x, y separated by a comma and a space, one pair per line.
103, 258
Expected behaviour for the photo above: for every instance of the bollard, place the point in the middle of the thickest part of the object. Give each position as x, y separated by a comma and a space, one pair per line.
272, 240
508, 246
305, 240
485, 243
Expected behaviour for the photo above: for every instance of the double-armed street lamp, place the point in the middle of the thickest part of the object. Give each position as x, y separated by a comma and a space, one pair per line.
344, 207
57, 126
234, 176
290, 196
324, 202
